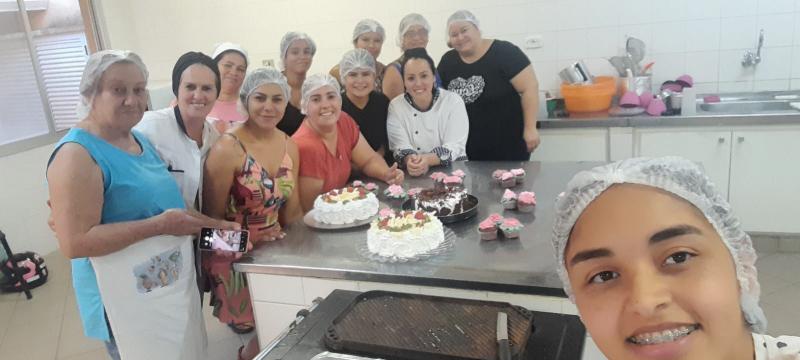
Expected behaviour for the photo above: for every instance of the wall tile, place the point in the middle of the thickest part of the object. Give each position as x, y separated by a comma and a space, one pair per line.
795, 62
602, 13
673, 10
669, 37
548, 52
547, 74
738, 86
771, 85
774, 64
642, 32
542, 16
572, 15
702, 35
632, 12
730, 67
738, 8
571, 44
668, 67
738, 33
703, 9
703, 66
601, 42
778, 30
706, 88
775, 6
795, 84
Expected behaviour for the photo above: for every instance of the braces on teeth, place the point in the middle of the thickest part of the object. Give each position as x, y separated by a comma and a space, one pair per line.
662, 337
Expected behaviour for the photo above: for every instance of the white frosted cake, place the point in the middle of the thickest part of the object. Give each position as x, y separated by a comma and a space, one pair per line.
404, 234
345, 206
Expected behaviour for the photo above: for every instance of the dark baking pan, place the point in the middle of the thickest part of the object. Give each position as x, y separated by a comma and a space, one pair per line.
421, 327
411, 204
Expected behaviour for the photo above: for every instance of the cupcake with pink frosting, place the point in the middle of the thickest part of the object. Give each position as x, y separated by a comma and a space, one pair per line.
395, 192
488, 229
508, 179
497, 175
460, 173
519, 175
526, 201
510, 228
371, 187
509, 200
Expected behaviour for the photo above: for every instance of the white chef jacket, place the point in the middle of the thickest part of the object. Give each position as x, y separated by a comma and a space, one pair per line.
780, 348
445, 125
183, 157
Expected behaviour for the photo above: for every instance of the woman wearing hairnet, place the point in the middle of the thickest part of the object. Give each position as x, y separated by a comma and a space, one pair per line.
428, 126
368, 35
659, 267
499, 87
331, 145
297, 53
412, 33
120, 217
366, 106
250, 178
232, 62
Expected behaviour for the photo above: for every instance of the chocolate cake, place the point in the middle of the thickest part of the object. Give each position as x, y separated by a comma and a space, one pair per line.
444, 201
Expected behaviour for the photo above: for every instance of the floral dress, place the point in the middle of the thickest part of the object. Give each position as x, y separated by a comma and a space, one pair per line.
255, 199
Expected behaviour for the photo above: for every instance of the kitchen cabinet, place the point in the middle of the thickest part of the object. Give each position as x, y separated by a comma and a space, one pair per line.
572, 145
764, 178
709, 147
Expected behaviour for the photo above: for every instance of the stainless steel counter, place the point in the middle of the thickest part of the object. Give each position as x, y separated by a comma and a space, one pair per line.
523, 266
782, 118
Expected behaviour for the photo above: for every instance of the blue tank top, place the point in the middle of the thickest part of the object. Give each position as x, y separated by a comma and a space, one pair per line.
135, 187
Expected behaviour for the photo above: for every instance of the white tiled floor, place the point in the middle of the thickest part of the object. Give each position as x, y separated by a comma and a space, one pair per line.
48, 327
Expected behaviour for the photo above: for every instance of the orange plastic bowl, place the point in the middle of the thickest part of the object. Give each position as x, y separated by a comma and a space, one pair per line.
591, 97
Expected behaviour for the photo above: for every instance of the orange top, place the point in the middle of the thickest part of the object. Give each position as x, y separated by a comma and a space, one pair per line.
317, 162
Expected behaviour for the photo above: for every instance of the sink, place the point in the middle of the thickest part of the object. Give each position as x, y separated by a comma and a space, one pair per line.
764, 102
747, 107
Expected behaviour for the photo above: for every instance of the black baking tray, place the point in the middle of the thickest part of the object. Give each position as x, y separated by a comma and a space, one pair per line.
416, 327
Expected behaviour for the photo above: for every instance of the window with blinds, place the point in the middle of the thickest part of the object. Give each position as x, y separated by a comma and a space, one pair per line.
61, 61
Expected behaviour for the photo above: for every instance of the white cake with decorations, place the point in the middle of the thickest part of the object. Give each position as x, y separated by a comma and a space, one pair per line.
345, 206
404, 234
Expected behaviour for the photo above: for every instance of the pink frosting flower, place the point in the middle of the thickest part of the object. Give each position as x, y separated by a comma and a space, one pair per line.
458, 173
487, 224
438, 176
518, 172
395, 190
508, 194
371, 186
452, 180
385, 212
511, 223
495, 218
506, 176
497, 174
527, 197
414, 191
358, 183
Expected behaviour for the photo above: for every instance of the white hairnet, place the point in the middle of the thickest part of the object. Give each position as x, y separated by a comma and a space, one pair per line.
356, 59
682, 178
368, 26
291, 37
409, 21
259, 77
229, 46
97, 64
315, 82
461, 15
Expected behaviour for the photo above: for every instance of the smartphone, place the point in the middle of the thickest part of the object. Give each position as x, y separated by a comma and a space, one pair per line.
223, 240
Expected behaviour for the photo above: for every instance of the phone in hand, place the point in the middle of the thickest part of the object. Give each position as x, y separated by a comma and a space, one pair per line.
223, 240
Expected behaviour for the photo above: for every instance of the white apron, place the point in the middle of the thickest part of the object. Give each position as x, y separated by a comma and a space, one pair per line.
151, 299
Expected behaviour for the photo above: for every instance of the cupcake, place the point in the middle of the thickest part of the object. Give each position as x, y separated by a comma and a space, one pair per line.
510, 228
488, 229
496, 218
519, 175
438, 176
371, 187
395, 192
497, 175
508, 179
459, 173
509, 200
414, 191
526, 201
453, 181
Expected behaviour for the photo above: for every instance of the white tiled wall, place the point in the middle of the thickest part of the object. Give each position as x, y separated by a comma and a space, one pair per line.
705, 38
